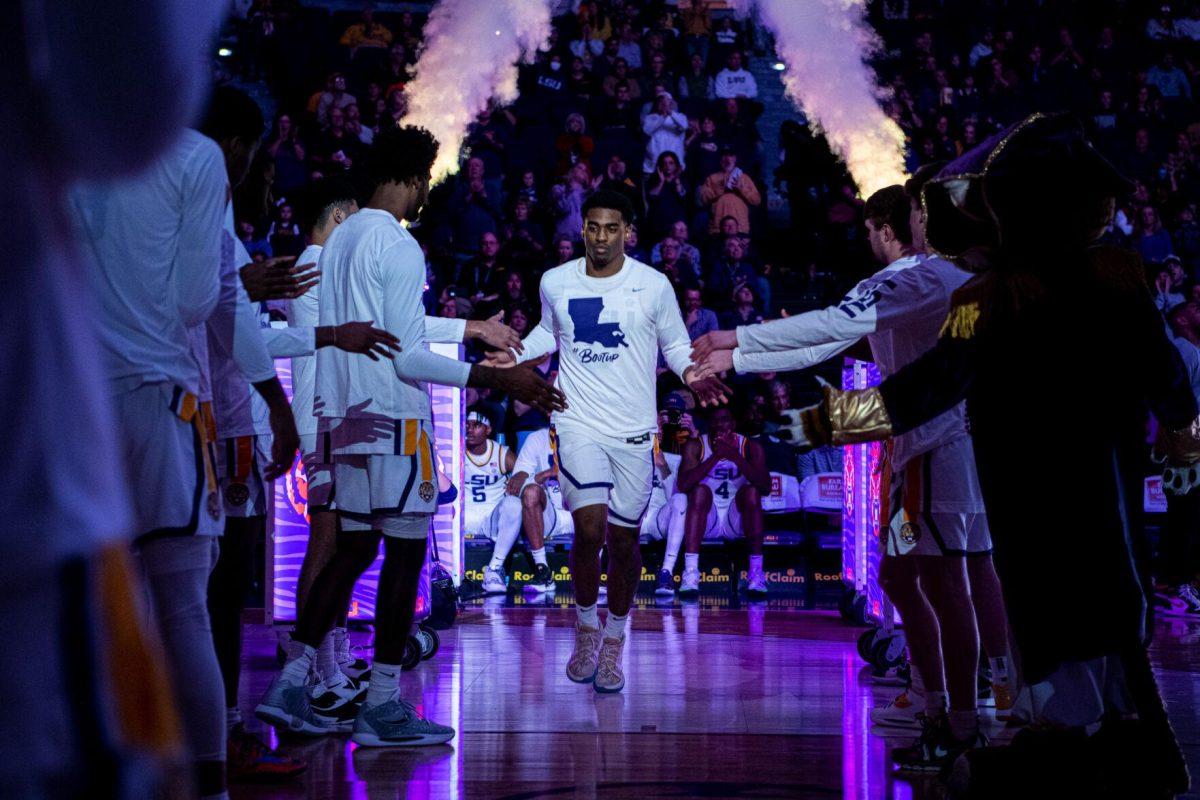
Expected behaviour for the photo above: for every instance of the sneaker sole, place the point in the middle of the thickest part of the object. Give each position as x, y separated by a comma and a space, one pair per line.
496, 591
607, 690
420, 740
893, 722
285, 721
590, 679
931, 769
542, 589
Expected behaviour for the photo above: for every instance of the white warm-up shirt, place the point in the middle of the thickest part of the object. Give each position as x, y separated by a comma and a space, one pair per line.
608, 332
373, 269
155, 241
900, 310
304, 313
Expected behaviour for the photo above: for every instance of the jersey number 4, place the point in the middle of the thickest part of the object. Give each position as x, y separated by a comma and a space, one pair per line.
723, 490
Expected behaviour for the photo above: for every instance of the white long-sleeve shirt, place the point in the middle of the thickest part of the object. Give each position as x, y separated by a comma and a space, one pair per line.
304, 313
608, 332
666, 132
373, 269
735, 84
155, 241
900, 310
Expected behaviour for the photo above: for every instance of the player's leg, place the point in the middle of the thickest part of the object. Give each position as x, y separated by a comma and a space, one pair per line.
944, 582
624, 568
538, 517
505, 524
699, 509
227, 588
900, 581
586, 478
322, 544
671, 521
990, 614
747, 514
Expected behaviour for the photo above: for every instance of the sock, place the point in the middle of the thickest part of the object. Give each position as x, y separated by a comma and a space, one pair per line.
539, 556
508, 528
588, 617
341, 645
691, 561
964, 725
614, 626
300, 659
674, 541
326, 663
936, 703
233, 718
999, 669
385, 678
917, 683
756, 564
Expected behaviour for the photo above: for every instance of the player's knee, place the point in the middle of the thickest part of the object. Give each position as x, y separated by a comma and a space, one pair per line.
700, 497
531, 498
898, 576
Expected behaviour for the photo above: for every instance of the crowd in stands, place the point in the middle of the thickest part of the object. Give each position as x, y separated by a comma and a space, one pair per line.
660, 101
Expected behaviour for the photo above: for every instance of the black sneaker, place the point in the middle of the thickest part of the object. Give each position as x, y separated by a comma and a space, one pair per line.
543, 581
666, 584
935, 750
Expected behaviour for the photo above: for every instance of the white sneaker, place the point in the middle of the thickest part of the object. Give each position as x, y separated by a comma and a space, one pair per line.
336, 700
493, 581
689, 583
1181, 601
906, 710
756, 583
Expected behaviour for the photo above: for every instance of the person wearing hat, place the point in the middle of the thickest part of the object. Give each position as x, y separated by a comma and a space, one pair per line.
729, 193
1025, 210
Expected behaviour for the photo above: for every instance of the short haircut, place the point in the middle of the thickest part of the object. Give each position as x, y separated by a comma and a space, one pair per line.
922, 176
402, 154
890, 206
606, 198
232, 114
320, 198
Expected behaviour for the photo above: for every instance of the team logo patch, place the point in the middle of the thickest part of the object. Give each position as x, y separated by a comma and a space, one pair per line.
426, 491
910, 533
236, 494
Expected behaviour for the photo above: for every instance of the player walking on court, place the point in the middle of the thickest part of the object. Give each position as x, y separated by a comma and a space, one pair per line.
608, 315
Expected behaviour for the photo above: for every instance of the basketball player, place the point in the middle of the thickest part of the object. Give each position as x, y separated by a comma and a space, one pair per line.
378, 416
937, 568
536, 481
324, 206
725, 477
608, 316
488, 509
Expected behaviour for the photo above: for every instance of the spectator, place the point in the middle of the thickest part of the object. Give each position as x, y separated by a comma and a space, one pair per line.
1170, 81
567, 197
657, 75
666, 195
620, 76
615, 179
696, 84
1153, 241
524, 236
367, 33
475, 206
335, 96
580, 83
573, 144
727, 273
337, 149
1168, 287
729, 193
629, 48
253, 243
1186, 239
726, 39
734, 80
355, 127
744, 311
665, 127
396, 72
699, 320
514, 290
284, 234
517, 317
564, 250
286, 148
704, 147
688, 253
482, 277
680, 273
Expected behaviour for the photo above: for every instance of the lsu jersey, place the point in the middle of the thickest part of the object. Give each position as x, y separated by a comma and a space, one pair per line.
725, 478
485, 478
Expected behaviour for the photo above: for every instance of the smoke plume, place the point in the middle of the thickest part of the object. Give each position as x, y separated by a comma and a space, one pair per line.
471, 51
824, 45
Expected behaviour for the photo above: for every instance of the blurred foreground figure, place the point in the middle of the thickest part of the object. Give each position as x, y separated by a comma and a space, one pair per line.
88, 709
1022, 348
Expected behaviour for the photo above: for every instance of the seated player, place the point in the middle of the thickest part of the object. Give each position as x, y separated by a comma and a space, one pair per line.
664, 517
724, 476
487, 510
535, 480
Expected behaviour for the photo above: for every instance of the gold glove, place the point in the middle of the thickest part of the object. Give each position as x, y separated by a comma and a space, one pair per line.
844, 417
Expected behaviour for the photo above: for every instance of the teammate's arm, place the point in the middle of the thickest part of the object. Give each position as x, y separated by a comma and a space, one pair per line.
197, 278
676, 345
510, 461
691, 469
541, 341
780, 361
491, 331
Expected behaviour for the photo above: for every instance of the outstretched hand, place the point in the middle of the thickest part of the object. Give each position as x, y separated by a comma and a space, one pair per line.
527, 385
278, 278
710, 391
715, 363
494, 332
362, 337
713, 340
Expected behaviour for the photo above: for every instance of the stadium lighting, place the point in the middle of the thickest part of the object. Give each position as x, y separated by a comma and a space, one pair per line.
224, 52
779, 66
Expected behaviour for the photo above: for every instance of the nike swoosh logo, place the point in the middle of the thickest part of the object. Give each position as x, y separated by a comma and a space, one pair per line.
638, 290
